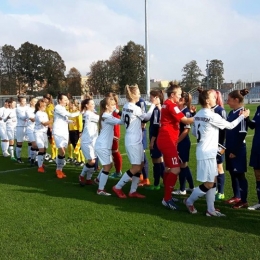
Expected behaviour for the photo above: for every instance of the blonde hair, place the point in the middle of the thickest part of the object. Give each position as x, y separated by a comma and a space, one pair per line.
113, 95
130, 91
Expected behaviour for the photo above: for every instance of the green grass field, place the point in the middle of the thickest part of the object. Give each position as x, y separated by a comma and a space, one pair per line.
42, 217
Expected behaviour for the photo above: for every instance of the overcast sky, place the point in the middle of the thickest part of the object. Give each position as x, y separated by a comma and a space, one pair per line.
84, 31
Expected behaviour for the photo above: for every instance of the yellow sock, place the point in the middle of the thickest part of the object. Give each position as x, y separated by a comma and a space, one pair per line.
82, 156
70, 151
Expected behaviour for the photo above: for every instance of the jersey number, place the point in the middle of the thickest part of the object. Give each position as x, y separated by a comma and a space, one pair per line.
126, 120
198, 134
175, 161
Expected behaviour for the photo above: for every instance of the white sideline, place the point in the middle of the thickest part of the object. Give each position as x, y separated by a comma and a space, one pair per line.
14, 170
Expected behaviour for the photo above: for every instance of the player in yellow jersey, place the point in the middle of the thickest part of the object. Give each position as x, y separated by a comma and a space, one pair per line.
75, 130
50, 110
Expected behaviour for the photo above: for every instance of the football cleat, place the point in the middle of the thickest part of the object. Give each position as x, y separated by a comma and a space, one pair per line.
215, 213
41, 169
220, 196
254, 207
120, 194
19, 160
179, 192
190, 208
232, 200
136, 195
169, 204
88, 182
6, 154
240, 205
103, 192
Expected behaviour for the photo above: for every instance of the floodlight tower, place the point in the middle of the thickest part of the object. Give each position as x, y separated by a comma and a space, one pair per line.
147, 51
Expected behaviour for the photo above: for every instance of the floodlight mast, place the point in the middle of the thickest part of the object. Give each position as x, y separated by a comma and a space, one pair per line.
147, 52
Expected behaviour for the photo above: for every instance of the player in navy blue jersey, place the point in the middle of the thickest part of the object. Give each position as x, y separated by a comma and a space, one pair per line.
255, 154
235, 154
184, 144
155, 153
219, 109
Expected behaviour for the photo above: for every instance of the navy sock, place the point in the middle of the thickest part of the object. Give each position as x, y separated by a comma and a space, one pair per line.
156, 173
258, 190
243, 189
189, 177
162, 169
220, 183
145, 168
182, 179
235, 185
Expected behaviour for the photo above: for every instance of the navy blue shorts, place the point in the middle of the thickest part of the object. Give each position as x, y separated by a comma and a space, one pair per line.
220, 158
255, 159
237, 164
155, 152
184, 150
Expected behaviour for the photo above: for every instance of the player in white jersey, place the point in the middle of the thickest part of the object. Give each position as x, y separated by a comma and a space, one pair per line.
61, 131
206, 129
133, 116
88, 140
11, 122
103, 145
4, 111
30, 114
40, 131
21, 126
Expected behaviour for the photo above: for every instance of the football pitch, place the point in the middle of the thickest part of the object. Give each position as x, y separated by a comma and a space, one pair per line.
42, 217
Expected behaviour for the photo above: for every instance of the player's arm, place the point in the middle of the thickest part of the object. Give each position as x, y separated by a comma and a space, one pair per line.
183, 134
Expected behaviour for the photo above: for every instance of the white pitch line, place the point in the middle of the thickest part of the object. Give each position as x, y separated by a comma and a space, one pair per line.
15, 170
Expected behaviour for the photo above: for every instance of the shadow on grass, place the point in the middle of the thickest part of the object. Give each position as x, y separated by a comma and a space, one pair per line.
29, 181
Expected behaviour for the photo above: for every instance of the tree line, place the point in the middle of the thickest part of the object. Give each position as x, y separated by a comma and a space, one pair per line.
31, 69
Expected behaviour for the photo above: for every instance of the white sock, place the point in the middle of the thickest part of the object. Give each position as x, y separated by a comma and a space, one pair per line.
84, 171
99, 174
210, 198
134, 185
102, 181
29, 150
124, 179
18, 152
195, 195
90, 173
11, 150
4, 146
60, 163
40, 160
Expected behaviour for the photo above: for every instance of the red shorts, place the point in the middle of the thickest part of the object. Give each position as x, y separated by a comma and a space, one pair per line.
170, 154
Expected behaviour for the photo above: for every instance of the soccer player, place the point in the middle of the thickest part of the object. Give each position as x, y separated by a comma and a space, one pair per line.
20, 127
133, 116
61, 131
144, 180
75, 129
30, 116
117, 158
206, 129
11, 122
155, 153
219, 109
235, 154
104, 141
50, 110
167, 141
184, 144
4, 111
255, 155
88, 140
40, 131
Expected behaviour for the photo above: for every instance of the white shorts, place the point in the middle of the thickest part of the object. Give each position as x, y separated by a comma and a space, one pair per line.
61, 141
88, 151
207, 170
41, 139
104, 155
30, 136
135, 153
11, 133
20, 134
3, 133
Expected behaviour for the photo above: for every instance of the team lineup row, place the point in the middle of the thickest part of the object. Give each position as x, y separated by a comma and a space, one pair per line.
169, 127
